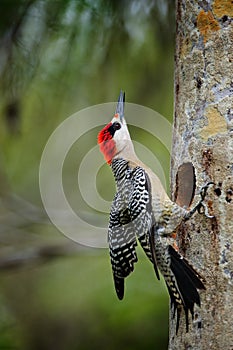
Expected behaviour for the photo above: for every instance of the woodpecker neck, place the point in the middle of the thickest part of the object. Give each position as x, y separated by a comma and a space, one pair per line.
126, 151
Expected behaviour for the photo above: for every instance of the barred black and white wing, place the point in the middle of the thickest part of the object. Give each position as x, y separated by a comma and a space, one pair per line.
142, 214
122, 243
130, 218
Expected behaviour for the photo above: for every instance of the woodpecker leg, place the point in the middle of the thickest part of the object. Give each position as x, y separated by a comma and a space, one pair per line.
201, 207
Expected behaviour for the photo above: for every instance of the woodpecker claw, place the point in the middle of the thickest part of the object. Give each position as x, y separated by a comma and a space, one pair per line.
201, 205
204, 189
204, 206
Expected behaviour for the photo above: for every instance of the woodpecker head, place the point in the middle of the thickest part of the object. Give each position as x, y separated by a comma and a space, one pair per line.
114, 139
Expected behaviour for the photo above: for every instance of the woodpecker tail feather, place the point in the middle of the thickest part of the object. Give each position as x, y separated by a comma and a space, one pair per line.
188, 281
119, 286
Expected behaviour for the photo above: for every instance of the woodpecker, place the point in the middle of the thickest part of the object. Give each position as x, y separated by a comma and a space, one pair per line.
142, 211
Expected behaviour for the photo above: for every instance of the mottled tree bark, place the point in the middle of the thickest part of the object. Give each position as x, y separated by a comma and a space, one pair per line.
203, 136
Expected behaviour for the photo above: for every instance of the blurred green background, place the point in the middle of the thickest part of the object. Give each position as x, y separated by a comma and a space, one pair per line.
56, 58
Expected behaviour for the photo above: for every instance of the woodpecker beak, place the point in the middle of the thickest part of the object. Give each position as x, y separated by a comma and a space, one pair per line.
120, 105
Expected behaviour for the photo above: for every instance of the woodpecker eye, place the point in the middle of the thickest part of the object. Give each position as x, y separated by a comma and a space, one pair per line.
116, 126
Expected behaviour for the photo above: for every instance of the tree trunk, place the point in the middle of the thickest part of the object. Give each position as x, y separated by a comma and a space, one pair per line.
203, 137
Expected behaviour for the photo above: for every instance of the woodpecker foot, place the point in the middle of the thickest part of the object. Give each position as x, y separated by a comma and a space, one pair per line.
201, 207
